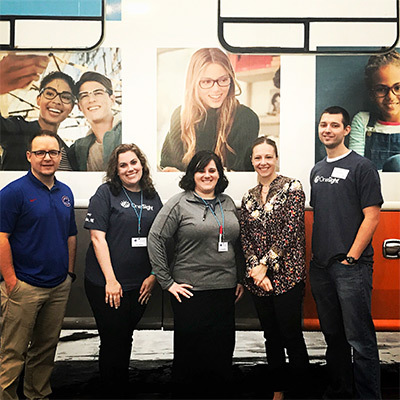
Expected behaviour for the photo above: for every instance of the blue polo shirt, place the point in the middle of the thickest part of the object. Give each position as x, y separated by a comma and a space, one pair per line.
39, 222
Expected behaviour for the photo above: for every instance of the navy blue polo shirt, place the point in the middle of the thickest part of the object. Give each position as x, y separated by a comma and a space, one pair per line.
39, 222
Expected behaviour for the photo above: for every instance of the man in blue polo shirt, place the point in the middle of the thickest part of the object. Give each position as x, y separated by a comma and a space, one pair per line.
37, 255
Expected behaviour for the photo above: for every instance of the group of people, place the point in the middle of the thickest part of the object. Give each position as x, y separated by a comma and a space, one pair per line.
57, 96
203, 252
197, 246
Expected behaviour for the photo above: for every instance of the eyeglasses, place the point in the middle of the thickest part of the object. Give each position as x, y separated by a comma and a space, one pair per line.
84, 96
383, 90
43, 153
50, 93
208, 83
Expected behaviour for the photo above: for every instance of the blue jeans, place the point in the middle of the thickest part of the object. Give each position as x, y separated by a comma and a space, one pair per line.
343, 297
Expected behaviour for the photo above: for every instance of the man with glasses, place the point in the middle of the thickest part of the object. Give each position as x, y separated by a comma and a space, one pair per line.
37, 256
55, 101
94, 93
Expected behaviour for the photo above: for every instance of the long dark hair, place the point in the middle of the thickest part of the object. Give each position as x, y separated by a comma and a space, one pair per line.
198, 162
112, 178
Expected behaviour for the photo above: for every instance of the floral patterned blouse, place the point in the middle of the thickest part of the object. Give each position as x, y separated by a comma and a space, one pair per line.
273, 234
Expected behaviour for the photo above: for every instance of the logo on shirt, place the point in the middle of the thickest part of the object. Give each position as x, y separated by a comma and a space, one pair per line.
66, 201
330, 180
126, 204
89, 218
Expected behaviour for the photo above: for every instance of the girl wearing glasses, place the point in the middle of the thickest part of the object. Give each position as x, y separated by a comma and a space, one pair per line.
376, 135
55, 101
211, 117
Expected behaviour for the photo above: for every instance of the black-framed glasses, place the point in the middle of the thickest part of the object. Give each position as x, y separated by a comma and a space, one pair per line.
208, 83
43, 153
84, 96
383, 90
50, 93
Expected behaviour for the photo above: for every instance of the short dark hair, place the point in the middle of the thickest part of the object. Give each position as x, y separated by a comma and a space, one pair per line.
92, 76
41, 132
198, 162
57, 75
267, 140
112, 178
337, 110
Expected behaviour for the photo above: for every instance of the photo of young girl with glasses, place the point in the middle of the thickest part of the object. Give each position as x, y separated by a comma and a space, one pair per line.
376, 135
211, 117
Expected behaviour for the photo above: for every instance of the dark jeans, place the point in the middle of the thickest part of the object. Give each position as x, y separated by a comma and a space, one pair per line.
204, 339
115, 328
281, 320
343, 297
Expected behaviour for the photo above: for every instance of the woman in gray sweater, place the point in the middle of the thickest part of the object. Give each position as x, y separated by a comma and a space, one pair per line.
203, 275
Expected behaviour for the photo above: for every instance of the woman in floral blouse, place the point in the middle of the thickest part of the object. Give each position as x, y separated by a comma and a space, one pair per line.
273, 241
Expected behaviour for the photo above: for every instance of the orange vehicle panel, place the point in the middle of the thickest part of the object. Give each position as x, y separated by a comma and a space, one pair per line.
386, 278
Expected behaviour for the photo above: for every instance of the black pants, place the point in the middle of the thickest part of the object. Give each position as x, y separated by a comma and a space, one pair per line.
204, 339
281, 320
115, 328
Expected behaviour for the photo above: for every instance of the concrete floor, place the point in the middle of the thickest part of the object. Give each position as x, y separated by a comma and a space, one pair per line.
157, 345
76, 371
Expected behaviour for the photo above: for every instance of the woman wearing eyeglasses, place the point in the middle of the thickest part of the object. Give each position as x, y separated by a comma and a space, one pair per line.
211, 117
55, 101
376, 135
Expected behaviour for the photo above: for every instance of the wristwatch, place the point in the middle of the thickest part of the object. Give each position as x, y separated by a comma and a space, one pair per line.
351, 260
72, 275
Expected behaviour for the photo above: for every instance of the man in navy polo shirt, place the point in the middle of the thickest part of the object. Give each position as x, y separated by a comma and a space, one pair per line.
37, 255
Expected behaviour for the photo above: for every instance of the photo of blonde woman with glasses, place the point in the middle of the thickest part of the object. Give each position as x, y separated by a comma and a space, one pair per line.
211, 117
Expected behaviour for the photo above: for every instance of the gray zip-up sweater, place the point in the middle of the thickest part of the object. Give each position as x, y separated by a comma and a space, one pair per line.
196, 260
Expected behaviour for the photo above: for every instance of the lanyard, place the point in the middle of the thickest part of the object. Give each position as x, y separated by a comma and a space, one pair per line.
221, 226
138, 214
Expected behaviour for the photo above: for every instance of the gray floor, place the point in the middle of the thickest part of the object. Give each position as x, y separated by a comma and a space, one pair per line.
157, 345
76, 371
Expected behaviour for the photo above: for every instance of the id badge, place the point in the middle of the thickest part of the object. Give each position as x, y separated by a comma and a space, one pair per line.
139, 242
222, 247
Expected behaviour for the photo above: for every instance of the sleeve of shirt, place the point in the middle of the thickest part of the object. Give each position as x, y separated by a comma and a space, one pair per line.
73, 230
311, 188
246, 128
369, 185
159, 203
10, 209
246, 235
357, 133
172, 149
99, 210
164, 227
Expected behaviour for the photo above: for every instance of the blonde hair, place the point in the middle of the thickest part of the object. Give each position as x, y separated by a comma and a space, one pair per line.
194, 112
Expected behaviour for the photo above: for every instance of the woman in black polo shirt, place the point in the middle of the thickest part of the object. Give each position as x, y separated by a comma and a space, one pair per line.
118, 279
